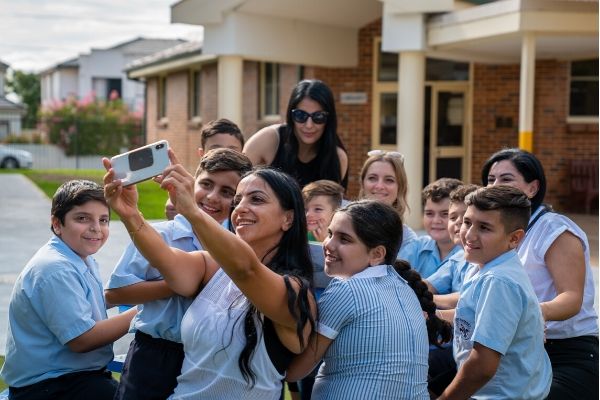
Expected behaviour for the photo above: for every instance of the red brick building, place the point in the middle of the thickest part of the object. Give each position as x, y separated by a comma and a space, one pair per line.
457, 81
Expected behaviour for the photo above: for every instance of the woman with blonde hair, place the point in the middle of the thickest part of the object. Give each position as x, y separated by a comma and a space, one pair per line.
383, 178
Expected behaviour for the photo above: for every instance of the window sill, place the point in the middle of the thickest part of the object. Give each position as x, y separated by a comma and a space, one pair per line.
582, 120
271, 119
195, 123
162, 123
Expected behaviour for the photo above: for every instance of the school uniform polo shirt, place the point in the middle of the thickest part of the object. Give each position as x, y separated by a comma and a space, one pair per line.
57, 297
379, 347
158, 318
424, 256
451, 274
499, 310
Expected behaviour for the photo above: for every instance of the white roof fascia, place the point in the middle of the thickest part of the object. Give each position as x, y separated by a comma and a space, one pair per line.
201, 12
559, 22
276, 39
420, 6
161, 68
494, 19
512, 16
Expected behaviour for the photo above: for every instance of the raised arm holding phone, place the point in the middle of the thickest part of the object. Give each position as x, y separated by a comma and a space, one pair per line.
253, 284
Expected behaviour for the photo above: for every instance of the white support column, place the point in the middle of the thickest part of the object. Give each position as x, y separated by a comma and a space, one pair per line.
526, 92
229, 101
409, 135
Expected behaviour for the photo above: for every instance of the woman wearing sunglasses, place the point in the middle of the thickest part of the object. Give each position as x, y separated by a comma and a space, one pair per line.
304, 146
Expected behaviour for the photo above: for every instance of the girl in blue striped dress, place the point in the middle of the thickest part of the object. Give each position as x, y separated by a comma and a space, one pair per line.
372, 332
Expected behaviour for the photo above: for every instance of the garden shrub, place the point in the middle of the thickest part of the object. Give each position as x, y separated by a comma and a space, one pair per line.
91, 126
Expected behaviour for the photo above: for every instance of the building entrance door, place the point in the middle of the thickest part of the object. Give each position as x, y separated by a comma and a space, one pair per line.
448, 131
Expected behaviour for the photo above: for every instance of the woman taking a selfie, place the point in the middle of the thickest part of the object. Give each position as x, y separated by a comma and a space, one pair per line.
253, 308
307, 146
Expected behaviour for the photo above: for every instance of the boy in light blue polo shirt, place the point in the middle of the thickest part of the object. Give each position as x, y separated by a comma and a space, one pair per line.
445, 283
498, 325
59, 339
156, 354
427, 253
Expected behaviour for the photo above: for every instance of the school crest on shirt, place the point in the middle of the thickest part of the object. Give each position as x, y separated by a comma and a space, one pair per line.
462, 328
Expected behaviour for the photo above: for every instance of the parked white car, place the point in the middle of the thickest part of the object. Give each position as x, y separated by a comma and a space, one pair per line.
14, 158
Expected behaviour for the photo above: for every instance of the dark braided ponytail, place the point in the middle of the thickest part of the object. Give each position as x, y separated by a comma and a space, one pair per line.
377, 224
438, 330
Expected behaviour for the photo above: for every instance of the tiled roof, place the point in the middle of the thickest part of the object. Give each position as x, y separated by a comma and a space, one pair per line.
6, 104
179, 51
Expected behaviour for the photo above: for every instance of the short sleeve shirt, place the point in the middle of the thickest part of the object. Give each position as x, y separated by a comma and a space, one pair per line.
57, 297
499, 310
451, 274
157, 318
423, 255
380, 346
532, 252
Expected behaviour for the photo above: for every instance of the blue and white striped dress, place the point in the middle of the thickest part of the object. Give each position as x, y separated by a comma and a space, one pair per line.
380, 347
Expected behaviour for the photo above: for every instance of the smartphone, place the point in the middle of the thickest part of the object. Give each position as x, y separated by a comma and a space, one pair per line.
141, 164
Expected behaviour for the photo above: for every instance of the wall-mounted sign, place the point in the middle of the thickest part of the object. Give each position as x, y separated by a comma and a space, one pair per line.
353, 98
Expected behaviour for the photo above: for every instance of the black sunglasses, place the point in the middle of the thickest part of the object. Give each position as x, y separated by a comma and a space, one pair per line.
318, 117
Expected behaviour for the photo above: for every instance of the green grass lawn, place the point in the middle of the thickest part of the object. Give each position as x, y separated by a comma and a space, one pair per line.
2, 384
151, 201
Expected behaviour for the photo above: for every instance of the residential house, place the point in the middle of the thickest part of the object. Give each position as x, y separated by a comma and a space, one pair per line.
10, 112
445, 82
101, 71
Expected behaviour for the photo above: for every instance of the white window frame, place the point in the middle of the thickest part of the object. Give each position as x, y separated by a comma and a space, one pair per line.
578, 119
195, 94
269, 90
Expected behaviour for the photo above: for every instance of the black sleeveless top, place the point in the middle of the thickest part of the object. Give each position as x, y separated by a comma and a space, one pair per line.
304, 173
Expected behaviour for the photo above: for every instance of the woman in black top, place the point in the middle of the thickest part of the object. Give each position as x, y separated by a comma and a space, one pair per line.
307, 146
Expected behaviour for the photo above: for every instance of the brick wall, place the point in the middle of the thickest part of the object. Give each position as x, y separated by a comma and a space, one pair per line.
183, 137
495, 113
354, 121
496, 94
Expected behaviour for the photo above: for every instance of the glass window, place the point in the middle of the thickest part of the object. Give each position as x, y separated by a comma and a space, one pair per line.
195, 93
435, 70
162, 97
583, 94
269, 89
445, 70
450, 119
449, 168
387, 118
387, 70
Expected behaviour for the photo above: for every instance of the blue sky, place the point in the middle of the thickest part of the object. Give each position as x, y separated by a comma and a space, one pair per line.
36, 34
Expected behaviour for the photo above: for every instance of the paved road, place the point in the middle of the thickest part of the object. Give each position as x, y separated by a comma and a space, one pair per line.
25, 227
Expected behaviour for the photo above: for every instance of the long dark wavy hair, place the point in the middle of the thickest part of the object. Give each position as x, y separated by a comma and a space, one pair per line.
329, 162
291, 259
378, 224
528, 166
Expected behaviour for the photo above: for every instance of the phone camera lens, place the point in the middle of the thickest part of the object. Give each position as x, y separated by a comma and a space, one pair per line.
160, 146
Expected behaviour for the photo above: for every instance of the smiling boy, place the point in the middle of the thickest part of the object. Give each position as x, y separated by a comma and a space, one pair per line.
135, 281
498, 326
59, 338
446, 282
218, 134
427, 253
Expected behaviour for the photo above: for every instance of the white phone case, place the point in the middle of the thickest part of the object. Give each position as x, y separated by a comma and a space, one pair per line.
142, 163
